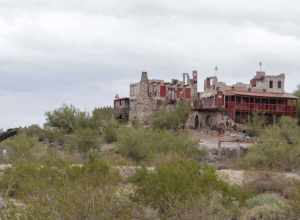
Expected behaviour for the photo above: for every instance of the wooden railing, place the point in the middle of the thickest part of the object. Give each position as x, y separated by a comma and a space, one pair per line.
257, 107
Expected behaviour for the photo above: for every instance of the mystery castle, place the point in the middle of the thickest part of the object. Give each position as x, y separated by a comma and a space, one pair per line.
217, 105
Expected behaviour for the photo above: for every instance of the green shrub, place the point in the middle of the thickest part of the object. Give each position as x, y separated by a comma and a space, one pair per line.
177, 182
174, 120
59, 190
110, 133
67, 119
100, 116
267, 207
258, 182
24, 148
34, 131
144, 144
212, 208
256, 125
85, 139
278, 148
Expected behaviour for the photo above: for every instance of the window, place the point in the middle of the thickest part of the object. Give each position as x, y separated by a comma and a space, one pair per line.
279, 84
271, 84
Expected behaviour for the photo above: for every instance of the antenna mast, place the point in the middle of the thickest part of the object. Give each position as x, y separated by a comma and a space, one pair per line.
216, 69
260, 66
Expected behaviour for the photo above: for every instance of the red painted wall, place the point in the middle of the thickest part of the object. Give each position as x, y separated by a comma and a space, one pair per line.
163, 91
188, 93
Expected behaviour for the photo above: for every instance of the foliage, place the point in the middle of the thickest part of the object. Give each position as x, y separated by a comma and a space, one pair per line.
278, 148
58, 190
110, 133
174, 120
34, 131
67, 119
256, 125
212, 208
24, 148
177, 182
267, 207
144, 144
259, 182
100, 116
85, 139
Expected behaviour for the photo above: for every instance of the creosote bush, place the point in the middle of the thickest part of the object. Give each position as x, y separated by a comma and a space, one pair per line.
55, 189
68, 118
110, 132
145, 144
267, 207
176, 183
172, 120
278, 148
24, 148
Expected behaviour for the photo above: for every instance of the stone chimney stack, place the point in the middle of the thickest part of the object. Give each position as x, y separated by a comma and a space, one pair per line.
195, 76
144, 77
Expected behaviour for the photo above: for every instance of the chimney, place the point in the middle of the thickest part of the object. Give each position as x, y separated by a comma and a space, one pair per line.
195, 76
144, 76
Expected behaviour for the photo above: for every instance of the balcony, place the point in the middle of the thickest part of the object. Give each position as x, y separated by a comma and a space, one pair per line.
257, 107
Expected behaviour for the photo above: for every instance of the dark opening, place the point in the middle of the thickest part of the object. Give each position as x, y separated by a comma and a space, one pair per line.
271, 84
279, 84
196, 122
207, 121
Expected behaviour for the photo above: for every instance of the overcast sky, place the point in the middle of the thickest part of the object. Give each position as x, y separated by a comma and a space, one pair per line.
83, 52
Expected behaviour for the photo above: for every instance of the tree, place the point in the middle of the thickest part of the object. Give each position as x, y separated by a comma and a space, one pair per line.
68, 118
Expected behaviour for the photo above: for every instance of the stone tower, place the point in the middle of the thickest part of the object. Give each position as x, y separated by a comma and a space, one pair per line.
144, 103
194, 83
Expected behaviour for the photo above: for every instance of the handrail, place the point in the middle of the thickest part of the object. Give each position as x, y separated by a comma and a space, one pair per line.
261, 107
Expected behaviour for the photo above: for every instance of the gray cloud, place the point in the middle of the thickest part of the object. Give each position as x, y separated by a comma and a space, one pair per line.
85, 51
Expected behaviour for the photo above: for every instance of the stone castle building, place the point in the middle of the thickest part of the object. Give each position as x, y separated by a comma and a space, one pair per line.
150, 95
217, 105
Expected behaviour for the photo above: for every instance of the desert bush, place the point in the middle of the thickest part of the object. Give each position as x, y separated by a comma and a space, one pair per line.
175, 183
67, 119
269, 182
24, 148
256, 125
110, 133
267, 207
174, 120
278, 148
100, 116
84, 140
34, 131
212, 208
144, 144
295, 200
58, 190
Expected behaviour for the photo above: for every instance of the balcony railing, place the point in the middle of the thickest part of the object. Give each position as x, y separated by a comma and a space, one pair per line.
257, 107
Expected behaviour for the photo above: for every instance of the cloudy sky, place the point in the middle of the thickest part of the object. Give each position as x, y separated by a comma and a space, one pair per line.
83, 52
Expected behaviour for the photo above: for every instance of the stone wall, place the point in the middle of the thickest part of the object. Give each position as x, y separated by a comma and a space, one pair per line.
206, 120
